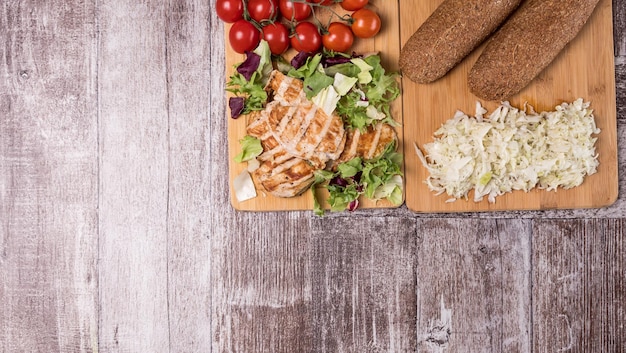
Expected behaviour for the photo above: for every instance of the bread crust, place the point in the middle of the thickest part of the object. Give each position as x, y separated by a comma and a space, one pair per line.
449, 34
525, 45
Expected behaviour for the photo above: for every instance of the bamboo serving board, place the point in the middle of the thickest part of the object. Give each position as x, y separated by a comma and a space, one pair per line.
387, 42
584, 69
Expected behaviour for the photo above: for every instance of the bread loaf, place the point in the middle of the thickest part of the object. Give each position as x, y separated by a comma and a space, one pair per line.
451, 32
525, 45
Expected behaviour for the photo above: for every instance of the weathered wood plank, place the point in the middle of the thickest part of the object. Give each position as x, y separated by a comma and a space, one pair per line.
579, 285
134, 166
619, 27
260, 270
217, 138
258, 277
363, 284
473, 285
620, 90
261, 283
48, 177
188, 41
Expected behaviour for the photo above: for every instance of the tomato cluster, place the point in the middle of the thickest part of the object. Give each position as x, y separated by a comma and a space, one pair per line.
287, 23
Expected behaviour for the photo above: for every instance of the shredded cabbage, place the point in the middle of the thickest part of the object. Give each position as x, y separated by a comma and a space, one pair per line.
511, 149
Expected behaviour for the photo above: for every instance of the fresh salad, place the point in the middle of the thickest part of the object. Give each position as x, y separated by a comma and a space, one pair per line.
355, 87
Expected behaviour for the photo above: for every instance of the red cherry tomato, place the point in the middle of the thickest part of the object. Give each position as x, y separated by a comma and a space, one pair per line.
277, 37
366, 23
243, 36
263, 10
294, 11
353, 5
339, 37
307, 38
229, 10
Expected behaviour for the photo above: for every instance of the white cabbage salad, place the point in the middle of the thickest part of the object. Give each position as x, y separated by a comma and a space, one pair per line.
511, 149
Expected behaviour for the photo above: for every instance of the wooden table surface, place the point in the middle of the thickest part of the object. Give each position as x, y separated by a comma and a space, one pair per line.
117, 234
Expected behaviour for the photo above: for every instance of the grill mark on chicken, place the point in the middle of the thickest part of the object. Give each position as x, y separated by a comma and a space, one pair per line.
333, 127
293, 131
275, 156
289, 179
374, 144
279, 116
300, 124
257, 127
368, 144
286, 89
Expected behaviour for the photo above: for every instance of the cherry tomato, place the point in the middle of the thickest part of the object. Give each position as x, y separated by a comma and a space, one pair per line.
229, 10
366, 23
263, 10
277, 37
353, 5
339, 37
243, 36
322, 2
294, 11
307, 37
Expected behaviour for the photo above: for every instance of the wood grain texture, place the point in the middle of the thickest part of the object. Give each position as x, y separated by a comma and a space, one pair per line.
117, 233
619, 28
260, 293
363, 285
188, 231
261, 284
134, 177
473, 285
48, 178
620, 84
579, 286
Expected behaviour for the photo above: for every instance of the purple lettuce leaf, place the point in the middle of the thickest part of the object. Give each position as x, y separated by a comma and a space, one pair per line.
236, 105
339, 181
300, 59
250, 65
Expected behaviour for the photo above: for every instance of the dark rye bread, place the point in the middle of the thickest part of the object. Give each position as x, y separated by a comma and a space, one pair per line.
451, 32
525, 45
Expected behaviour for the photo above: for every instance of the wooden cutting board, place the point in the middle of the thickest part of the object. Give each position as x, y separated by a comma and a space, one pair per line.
387, 42
585, 69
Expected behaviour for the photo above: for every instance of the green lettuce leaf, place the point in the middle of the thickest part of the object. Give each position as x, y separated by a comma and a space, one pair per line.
381, 171
381, 178
350, 168
250, 148
313, 76
340, 197
321, 176
253, 90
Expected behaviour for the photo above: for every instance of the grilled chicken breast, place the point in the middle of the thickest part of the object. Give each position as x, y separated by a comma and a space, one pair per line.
280, 173
299, 138
301, 127
289, 178
368, 144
